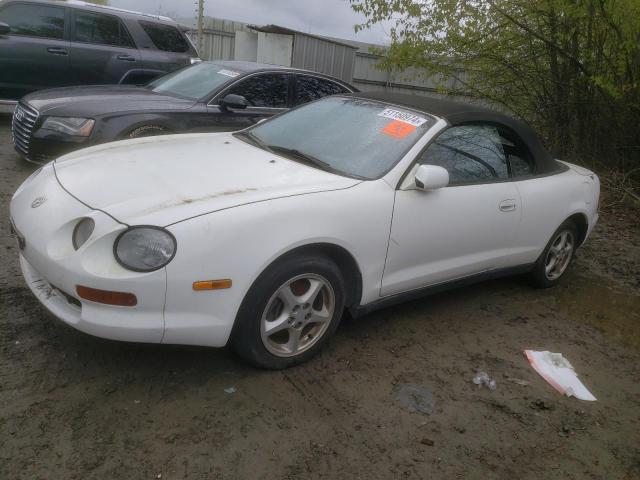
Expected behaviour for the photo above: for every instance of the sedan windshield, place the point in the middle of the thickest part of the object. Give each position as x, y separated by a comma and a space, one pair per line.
350, 136
194, 82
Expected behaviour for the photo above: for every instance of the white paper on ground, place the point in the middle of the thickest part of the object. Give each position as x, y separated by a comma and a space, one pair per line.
557, 370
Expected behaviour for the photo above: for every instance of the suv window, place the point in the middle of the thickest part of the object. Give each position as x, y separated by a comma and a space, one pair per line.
266, 90
312, 88
101, 29
471, 153
34, 20
165, 37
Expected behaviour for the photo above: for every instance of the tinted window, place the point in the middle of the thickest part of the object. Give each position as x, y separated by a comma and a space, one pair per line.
266, 90
165, 37
470, 153
101, 29
34, 20
312, 88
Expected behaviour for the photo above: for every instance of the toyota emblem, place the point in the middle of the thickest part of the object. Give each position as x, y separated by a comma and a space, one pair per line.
38, 201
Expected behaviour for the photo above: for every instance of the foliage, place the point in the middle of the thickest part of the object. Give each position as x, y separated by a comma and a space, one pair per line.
99, 2
570, 67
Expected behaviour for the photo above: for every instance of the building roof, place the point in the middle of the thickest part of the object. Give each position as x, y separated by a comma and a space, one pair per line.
456, 113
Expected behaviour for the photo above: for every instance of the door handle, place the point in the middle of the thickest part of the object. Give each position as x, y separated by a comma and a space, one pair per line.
126, 58
507, 205
58, 51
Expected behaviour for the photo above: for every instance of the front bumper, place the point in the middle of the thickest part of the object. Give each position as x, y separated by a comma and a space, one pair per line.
45, 147
116, 323
53, 269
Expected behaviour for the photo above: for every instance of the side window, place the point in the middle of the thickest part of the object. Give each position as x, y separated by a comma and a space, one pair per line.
265, 90
101, 29
518, 155
165, 37
34, 20
312, 88
471, 154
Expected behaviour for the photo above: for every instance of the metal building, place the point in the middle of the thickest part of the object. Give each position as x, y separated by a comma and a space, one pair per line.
348, 60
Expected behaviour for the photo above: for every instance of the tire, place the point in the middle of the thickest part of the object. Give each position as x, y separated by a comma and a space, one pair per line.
552, 264
281, 306
147, 131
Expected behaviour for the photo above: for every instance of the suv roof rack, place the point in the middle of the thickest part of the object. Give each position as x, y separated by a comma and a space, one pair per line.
106, 7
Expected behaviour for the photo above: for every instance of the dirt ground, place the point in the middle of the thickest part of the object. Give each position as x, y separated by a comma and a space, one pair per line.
77, 407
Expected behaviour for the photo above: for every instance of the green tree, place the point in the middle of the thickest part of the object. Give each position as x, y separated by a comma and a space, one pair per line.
570, 67
99, 2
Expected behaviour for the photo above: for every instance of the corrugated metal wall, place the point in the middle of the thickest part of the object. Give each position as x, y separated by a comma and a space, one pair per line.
218, 40
358, 67
323, 56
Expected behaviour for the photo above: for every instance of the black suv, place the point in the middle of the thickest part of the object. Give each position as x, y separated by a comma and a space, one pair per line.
46, 43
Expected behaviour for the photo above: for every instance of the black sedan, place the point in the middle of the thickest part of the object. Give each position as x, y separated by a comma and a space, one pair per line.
205, 97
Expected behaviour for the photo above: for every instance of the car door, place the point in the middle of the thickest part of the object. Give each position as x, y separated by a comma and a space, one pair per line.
310, 88
268, 93
460, 230
102, 51
35, 54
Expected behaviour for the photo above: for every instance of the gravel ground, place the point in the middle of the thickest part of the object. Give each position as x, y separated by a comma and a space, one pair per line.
77, 407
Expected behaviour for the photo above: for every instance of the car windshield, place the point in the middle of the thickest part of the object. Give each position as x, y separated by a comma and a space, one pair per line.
350, 136
194, 82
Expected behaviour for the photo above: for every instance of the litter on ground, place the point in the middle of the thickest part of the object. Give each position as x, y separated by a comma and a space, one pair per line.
559, 373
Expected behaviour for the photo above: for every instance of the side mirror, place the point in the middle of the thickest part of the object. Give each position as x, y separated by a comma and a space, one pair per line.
431, 177
4, 29
234, 101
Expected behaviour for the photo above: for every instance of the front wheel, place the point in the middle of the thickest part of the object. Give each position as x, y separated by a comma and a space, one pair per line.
556, 257
290, 312
147, 131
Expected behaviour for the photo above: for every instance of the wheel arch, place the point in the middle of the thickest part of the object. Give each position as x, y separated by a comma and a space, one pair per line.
345, 261
582, 224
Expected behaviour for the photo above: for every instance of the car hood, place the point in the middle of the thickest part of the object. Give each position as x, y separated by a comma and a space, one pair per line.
101, 100
163, 180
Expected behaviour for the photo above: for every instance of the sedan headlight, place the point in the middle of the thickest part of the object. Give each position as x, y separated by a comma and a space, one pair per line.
144, 249
79, 127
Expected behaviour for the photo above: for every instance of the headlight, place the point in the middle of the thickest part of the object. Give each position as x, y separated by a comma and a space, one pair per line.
144, 249
195, 60
79, 127
82, 232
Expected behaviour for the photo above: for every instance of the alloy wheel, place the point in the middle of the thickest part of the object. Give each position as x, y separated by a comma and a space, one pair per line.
297, 315
559, 255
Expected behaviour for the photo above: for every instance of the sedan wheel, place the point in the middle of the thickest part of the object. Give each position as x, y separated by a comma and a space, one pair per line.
559, 255
297, 315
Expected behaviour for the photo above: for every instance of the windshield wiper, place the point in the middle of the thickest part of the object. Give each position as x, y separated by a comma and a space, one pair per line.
297, 154
254, 140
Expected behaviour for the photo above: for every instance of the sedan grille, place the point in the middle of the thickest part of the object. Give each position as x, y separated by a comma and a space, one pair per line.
24, 119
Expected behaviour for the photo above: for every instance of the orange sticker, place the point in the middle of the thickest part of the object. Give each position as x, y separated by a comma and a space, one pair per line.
398, 129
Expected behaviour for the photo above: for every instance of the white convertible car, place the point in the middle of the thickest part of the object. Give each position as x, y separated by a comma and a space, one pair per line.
263, 237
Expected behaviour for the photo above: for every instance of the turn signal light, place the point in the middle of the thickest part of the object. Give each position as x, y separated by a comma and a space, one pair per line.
212, 284
107, 297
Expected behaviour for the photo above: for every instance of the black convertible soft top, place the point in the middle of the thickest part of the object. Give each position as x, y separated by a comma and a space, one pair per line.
456, 113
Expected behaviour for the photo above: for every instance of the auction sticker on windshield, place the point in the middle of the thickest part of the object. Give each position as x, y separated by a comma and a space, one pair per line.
398, 129
405, 117
228, 73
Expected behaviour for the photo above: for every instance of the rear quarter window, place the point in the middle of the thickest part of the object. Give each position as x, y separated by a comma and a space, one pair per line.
165, 37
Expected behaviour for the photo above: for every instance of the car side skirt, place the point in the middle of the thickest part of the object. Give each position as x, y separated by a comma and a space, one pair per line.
361, 310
